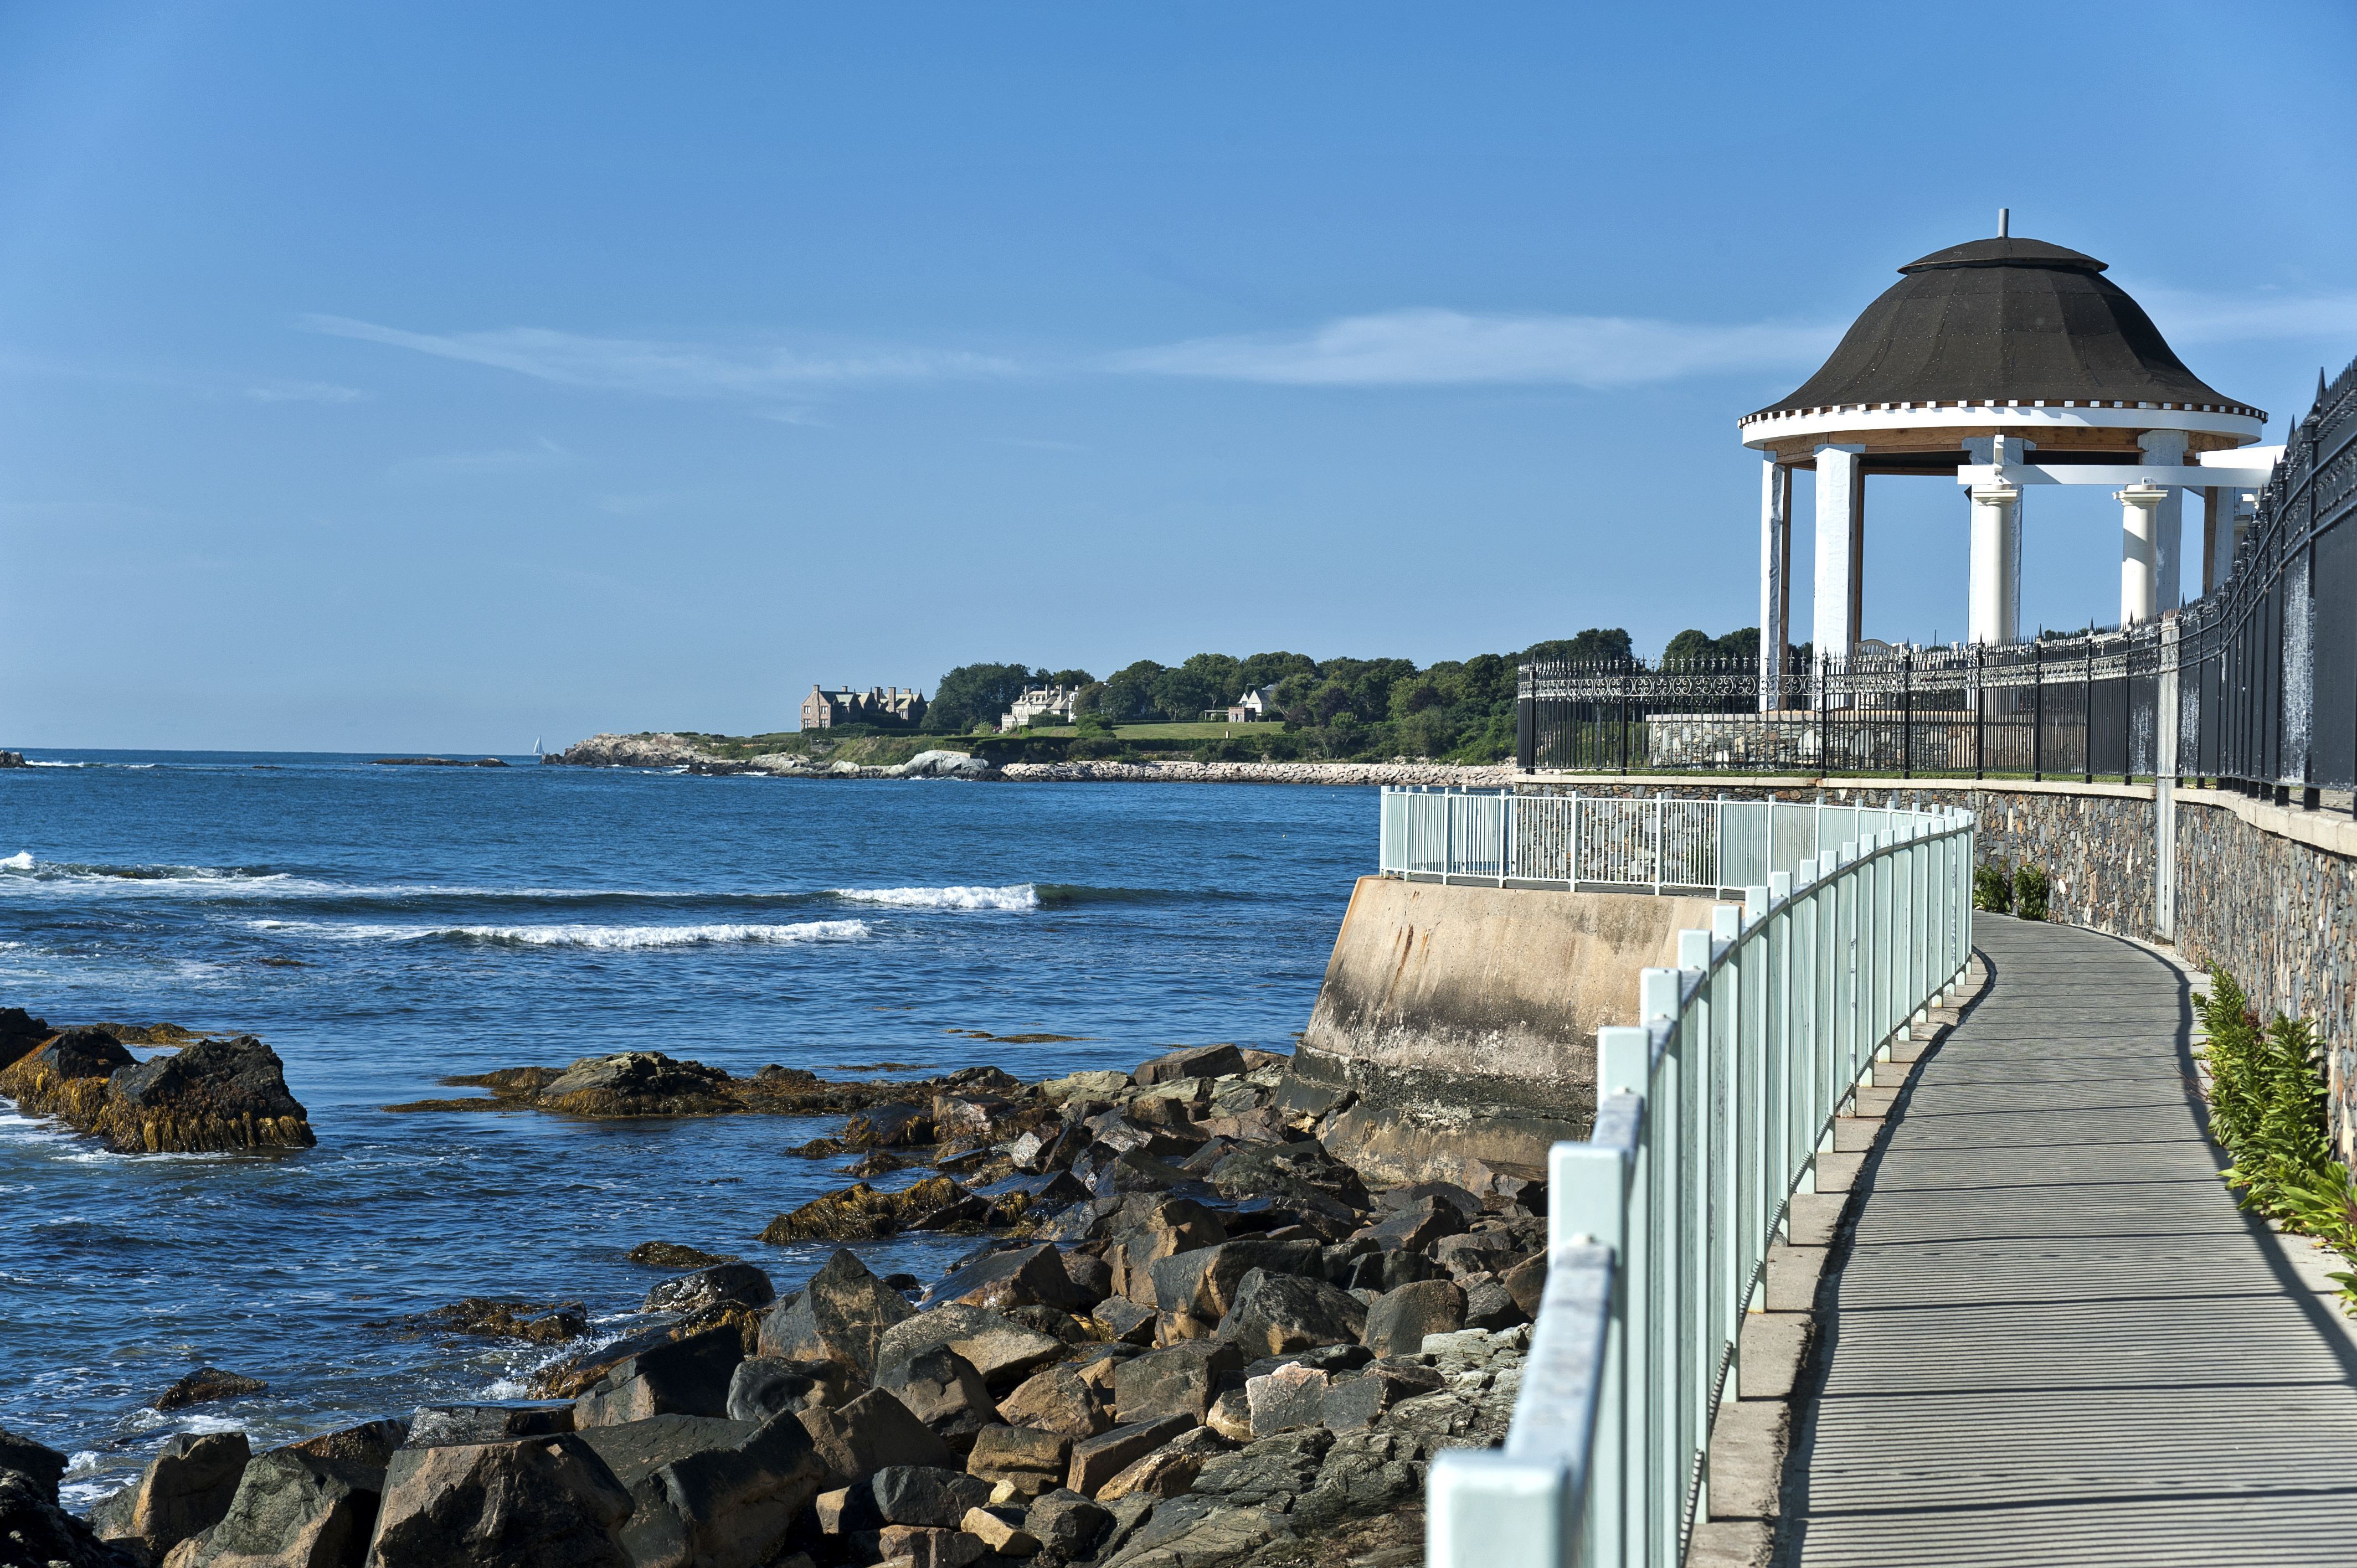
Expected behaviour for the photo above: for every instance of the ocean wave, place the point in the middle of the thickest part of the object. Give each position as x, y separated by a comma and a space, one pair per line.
611, 938
24, 870
1022, 895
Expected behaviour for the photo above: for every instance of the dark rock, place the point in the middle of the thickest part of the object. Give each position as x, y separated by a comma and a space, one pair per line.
926, 1546
942, 1389
1054, 1322
1001, 1531
1088, 1276
538, 1502
211, 1096
633, 1450
1169, 1471
1382, 1270
36, 1533
860, 1213
762, 1387
1398, 1321
1204, 1283
1004, 1351
1003, 1450
1293, 1395
1363, 1475
205, 1385
684, 1377
185, 1491
42, 1465
1027, 1277
1193, 1061
708, 1287
1130, 1514
1477, 1253
1067, 1524
1097, 1460
1491, 1305
1357, 1400
895, 1126
1269, 1470
1418, 1226
1057, 1400
21, 1035
733, 1507
1136, 1170
1276, 1312
534, 1322
446, 1425
1526, 1282
1200, 1532
1302, 1173
370, 1444
639, 1083
842, 1315
1182, 1380
669, 1255
1125, 1320
293, 1510
873, 1432
1466, 1203
922, 1495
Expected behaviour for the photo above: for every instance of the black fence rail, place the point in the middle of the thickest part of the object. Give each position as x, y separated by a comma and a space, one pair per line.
2254, 685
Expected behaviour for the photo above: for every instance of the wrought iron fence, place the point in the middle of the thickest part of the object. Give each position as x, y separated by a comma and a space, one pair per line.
2254, 684
1709, 1116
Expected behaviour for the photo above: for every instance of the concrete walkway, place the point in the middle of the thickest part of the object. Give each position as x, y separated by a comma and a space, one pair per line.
2057, 1340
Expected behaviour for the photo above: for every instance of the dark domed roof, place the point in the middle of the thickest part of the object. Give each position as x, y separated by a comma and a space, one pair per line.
1999, 320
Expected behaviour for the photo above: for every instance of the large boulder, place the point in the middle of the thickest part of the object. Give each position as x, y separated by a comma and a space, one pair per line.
1193, 1061
860, 1213
36, 1533
874, 1432
1399, 1319
67, 1078
294, 1510
942, 1390
1203, 1283
1024, 1276
462, 1425
1003, 1350
1276, 1314
1302, 1172
842, 1315
21, 1035
1057, 1399
1418, 1226
1067, 1524
639, 1083
42, 1465
920, 1495
538, 1502
683, 1377
762, 1387
710, 1287
210, 1097
205, 1386
185, 1491
1182, 1380
725, 1506
1098, 1459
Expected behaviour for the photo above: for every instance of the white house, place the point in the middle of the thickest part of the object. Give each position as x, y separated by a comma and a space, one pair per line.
1254, 707
1052, 704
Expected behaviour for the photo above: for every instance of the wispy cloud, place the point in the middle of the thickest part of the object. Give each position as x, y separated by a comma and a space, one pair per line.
1441, 348
2186, 316
656, 369
542, 454
303, 392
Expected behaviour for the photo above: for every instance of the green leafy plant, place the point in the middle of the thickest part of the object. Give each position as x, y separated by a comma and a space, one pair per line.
2268, 1110
2030, 887
1992, 888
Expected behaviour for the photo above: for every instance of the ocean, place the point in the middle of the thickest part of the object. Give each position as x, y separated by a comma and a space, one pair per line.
381, 927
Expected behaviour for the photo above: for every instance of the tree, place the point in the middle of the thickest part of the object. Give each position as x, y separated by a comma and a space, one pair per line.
1183, 693
975, 693
1269, 669
1073, 679
1593, 645
1129, 692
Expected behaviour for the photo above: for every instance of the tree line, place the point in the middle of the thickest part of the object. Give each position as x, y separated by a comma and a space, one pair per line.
1454, 710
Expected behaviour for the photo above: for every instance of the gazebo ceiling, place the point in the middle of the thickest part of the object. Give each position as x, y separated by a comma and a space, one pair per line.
1998, 321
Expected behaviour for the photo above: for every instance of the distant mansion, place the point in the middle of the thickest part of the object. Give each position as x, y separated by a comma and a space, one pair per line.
1053, 704
893, 707
1251, 708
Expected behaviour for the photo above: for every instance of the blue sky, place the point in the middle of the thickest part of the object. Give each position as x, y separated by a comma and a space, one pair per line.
444, 376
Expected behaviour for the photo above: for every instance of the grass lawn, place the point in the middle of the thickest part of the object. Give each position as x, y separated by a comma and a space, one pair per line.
1151, 733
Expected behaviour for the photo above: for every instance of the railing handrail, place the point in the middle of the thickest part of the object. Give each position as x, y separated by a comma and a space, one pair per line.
1711, 1114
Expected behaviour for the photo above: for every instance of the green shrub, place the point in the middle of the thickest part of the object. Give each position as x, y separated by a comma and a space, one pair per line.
1992, 888
2268, 1110
2029, 889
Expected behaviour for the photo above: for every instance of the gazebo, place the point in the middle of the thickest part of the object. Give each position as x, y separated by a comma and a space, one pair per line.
2006, 363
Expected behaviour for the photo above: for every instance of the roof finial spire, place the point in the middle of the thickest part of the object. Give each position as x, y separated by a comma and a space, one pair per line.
2004, 222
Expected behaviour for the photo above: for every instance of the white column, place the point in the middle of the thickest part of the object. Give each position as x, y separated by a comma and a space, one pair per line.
2168, 519
1995, 613
2217, 528
1775, 567
1841, 494
2139, 571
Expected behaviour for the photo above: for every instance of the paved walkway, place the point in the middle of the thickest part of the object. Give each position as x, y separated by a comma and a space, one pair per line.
2058, 1340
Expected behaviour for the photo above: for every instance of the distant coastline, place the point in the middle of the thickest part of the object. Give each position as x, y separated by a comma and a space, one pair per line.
933, 757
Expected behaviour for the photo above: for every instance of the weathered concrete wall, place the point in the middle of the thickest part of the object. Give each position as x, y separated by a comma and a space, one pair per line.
1465, 1018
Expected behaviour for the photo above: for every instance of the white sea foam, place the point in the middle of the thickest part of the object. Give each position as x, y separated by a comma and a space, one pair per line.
585, 936
20, 861
1022, 896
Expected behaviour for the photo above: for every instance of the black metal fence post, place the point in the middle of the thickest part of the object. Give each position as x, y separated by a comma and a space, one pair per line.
1980, 714
2087, 713
2037, 711
1907, 716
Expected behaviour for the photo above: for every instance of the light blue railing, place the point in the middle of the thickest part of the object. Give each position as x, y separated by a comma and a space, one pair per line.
1710, 1115
1655, 842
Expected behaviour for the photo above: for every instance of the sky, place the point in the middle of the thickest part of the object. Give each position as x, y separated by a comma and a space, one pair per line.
449, 377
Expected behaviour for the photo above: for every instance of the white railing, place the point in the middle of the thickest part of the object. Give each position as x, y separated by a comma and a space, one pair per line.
1608, 842
1709, 1115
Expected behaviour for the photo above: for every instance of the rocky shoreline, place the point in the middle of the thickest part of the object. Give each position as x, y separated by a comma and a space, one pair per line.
209, 1095
1187, 1334
678, 751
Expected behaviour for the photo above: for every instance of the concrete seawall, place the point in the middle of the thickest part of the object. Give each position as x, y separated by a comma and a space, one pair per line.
1464, 1019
